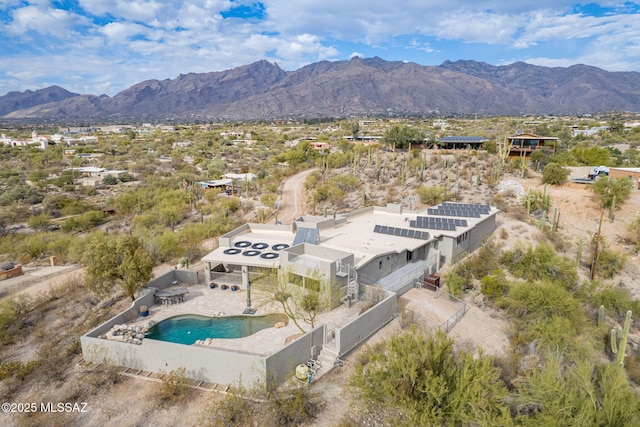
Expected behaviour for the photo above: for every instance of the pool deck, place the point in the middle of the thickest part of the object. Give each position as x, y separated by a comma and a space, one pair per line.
216, 302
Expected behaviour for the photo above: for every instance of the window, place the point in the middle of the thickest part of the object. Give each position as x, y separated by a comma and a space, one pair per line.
380, 265
409, 255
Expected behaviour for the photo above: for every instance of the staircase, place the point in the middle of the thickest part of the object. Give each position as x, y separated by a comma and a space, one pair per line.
347, 270
328, 356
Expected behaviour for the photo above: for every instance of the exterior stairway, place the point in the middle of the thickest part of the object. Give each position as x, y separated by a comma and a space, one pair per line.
328, 356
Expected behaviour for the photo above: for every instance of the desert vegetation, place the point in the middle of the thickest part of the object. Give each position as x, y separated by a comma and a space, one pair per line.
561, 366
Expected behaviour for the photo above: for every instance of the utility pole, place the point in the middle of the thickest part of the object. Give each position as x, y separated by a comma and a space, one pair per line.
595, 251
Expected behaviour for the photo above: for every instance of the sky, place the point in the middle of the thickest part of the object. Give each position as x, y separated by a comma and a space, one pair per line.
104, 46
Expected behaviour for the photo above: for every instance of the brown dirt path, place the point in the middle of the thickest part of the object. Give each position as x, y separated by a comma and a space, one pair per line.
293, 197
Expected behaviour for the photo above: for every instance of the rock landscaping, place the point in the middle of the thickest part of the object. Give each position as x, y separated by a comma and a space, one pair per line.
133, 334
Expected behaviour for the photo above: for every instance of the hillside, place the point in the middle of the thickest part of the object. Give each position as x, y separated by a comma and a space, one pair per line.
361, 87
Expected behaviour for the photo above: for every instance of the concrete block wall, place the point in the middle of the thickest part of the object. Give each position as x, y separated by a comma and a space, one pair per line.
358, 330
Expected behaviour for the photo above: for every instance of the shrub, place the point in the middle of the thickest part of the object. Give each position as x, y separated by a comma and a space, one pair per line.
456, 283
554, 174
294, 408
174, 387
431, 195
634, 232
418, 380
607, 188
545, 311
109, 180
541, 263
232, 411
609, 262
20, 193
494, 285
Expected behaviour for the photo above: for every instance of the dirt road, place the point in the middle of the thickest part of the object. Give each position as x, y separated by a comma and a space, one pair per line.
293, 197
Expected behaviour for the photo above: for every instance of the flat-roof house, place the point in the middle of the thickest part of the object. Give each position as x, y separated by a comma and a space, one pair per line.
461, 142
380, 246
631, 173
526, 143
375, 245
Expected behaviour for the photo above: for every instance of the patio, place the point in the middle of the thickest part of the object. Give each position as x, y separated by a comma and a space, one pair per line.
204, 301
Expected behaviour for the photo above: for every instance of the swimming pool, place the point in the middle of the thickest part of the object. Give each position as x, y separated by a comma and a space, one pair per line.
187, 329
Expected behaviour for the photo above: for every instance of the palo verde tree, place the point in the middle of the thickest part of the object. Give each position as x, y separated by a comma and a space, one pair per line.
301, 302
119, 260
609, 189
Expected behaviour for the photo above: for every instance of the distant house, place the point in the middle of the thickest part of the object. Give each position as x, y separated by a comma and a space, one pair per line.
461, 142
320, 146
631, 173
224, 184
527, 143
240, 177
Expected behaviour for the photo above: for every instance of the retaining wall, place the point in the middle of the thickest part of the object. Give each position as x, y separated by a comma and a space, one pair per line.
14, 272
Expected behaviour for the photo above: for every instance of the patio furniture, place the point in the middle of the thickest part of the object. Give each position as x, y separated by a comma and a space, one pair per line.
171, 296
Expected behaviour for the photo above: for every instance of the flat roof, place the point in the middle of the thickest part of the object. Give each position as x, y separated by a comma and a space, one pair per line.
352, 233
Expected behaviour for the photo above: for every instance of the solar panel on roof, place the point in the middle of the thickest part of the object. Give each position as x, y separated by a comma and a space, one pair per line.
300, 235
401, 232
312, 236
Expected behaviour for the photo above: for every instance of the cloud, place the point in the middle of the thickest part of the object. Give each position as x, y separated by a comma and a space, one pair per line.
114, 43
121, 32
46, 21
148, 10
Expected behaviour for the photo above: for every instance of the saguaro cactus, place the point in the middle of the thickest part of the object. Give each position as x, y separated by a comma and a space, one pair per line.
614, 341
623, 339
612, 209
601, 316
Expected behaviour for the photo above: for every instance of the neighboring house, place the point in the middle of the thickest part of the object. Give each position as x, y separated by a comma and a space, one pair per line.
239, 177
461, 142
87, 170
631, 173
526, 143
223, 184
36, 139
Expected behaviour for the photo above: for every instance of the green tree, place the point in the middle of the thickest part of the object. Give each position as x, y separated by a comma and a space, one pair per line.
109, 180
554, 174
42, 221
590, 155
607, 188
401, 136
298, 303
421, 381
116, 259
355, 129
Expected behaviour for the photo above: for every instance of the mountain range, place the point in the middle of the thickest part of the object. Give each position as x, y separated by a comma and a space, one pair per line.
358, 87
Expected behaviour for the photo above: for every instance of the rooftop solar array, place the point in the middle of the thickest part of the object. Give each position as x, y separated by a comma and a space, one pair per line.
437, 223
306, 235
460, 210
402, 232
469, 139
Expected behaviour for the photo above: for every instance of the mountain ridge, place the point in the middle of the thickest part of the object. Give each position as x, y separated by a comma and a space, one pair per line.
371, 86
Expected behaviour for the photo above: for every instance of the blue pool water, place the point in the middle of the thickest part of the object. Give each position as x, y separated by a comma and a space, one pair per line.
187, 329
